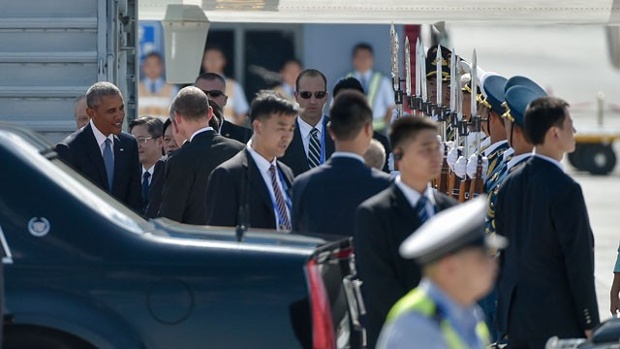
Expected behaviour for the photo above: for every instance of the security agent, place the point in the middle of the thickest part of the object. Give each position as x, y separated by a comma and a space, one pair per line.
456, 259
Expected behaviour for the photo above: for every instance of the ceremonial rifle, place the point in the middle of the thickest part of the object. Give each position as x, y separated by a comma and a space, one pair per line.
453, 179
464, 129
408, 94
442, 181
398, 93
477, 185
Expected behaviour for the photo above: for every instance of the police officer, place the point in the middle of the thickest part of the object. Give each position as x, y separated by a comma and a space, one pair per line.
458, 265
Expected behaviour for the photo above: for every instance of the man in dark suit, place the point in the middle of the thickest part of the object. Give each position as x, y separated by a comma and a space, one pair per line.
214, 85
351, 83
311, 145
385, 220
546, 283
252, 188
183, 198
326, 197
101, 152
148, 131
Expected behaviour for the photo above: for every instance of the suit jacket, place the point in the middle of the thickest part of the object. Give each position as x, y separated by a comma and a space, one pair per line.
187, 172
296, 157
156, 189
239, 181
382, 223
236, 132
546, 283
81, 151
388, 149
326, 197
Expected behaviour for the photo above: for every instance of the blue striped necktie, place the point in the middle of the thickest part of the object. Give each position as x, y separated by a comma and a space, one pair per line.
145, 186
284, 222
108, 160
314, 149
421, 209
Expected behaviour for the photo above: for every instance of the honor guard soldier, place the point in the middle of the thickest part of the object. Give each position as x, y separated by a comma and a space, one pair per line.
456, 257
491, 109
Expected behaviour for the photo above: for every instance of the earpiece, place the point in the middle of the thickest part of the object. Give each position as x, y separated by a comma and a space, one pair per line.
398, 155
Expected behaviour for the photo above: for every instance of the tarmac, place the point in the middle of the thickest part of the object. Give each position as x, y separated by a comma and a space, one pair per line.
571, 62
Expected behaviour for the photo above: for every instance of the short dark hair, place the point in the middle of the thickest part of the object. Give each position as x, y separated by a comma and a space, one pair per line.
542, 114
406, 129
154, 54
348, 115
101, 89
290, 61
191, 103
154, 126
310, 73
347, 83
167, 124
210, 77
362, 46
269, 102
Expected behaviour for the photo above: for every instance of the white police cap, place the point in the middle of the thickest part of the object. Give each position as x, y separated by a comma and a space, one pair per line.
451, 230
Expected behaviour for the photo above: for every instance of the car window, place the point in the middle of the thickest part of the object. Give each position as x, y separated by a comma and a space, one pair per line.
99, 200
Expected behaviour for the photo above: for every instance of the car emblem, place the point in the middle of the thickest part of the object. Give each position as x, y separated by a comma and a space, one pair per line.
39, 226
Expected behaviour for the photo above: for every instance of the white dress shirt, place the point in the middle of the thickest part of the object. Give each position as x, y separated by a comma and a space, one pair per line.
204, 129
304, 130
551, 160
413, 196
263, 167
101, 138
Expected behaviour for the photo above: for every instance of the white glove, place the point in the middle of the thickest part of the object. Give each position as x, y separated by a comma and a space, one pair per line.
472, 145
391, 162
460, 168
453, 156
472, 165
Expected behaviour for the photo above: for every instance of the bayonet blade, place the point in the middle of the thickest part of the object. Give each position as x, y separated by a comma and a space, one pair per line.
407, 67
474, 85
438, 61
423, 84
418, 71
453, 81
395, 49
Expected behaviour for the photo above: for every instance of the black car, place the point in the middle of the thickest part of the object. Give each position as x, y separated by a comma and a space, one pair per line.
81, 270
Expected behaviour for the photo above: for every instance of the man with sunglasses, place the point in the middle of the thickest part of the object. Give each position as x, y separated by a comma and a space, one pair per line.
214, 85
311, 145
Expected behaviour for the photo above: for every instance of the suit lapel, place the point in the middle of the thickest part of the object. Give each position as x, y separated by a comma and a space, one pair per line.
93, 151
256, 179
329, 143
119, 160
298, 154
403, 207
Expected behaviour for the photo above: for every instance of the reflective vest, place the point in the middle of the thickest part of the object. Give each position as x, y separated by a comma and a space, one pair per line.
418, 301
373, 88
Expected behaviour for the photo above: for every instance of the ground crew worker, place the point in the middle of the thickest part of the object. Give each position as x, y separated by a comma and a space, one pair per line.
458, 265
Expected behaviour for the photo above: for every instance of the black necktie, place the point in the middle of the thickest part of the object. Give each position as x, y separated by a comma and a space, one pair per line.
145, 186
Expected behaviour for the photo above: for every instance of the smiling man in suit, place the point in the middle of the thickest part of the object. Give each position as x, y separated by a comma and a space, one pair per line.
326, 197
252, 188
101, 152
385, 220
311, 145
186, 174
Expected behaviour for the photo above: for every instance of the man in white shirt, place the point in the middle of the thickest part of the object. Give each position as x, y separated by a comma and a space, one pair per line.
311, 145
148, 132
101, 151
253, 188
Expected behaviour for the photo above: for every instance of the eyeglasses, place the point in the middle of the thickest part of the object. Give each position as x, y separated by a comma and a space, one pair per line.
142, 140
308, 94
213, 93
